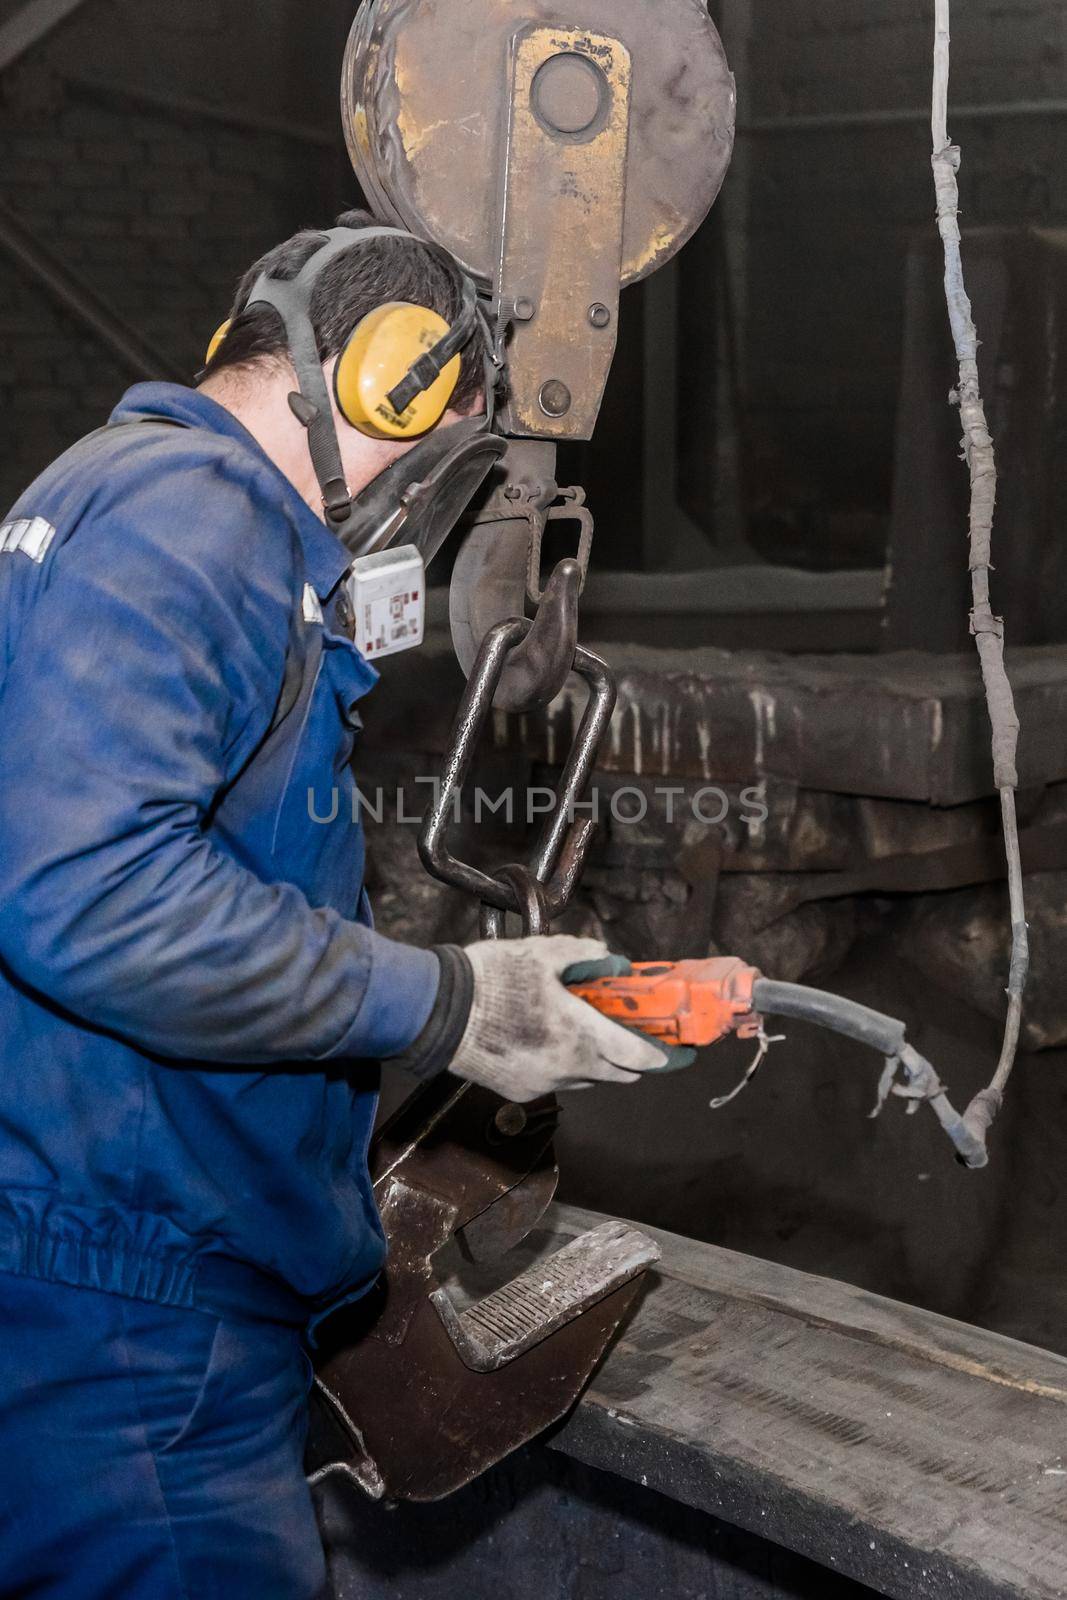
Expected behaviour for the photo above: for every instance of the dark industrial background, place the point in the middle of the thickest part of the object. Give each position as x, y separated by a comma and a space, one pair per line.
148, 151
775, 475
779, 402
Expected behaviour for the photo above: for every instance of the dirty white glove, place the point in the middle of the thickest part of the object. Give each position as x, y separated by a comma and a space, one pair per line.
527, 1035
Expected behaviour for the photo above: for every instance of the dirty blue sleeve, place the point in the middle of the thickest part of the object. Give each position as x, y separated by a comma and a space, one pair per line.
145, 675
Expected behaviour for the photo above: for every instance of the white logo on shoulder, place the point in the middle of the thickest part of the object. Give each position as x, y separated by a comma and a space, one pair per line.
312, 608
32, 537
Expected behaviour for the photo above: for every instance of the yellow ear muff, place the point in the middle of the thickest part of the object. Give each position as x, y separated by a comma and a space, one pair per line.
381, 352
216, 341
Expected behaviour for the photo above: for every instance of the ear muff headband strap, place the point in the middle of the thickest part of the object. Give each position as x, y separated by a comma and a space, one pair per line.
472, 320
291, 299
429, 367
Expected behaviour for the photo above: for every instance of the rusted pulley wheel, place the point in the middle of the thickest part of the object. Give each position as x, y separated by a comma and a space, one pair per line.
426, 97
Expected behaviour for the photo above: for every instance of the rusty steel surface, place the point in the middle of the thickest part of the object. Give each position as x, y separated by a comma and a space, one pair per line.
512, 1319
426, 96
430, 1425
465, 1147
736, 717
562, 224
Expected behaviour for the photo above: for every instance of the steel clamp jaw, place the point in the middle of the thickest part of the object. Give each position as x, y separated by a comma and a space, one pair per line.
461, 1177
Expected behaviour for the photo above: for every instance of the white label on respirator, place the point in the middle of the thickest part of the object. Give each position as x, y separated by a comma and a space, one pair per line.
388, 595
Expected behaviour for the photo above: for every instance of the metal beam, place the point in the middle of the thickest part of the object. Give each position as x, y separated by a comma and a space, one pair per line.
30, 25
83, 303
825, 121
175, 105
669, 533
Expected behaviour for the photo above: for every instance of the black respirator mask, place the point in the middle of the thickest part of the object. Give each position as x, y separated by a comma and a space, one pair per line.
394, 379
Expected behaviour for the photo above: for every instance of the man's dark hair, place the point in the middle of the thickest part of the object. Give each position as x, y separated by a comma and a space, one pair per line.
353, 284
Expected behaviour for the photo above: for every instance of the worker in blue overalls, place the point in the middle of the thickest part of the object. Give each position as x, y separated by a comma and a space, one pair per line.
192, 999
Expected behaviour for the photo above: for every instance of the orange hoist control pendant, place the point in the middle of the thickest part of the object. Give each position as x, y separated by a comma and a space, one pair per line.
681, 1003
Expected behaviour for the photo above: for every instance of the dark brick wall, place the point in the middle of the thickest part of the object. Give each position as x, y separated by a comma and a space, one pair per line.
830, 215
157, 211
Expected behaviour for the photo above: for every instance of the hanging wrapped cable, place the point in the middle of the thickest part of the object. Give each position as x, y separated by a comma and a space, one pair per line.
988, 629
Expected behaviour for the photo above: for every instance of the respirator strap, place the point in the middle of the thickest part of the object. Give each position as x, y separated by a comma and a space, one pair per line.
291, 299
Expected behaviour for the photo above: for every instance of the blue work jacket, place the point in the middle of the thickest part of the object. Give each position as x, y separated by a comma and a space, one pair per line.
191, 997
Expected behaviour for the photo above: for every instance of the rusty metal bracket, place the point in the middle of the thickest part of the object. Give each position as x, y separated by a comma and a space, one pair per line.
491, 567
562, 226
499, 567
574, 509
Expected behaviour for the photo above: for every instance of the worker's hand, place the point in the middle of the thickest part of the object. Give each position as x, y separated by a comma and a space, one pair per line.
528, 1035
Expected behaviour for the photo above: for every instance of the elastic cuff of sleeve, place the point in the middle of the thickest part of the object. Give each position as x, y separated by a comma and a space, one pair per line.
398, 999
438, 1042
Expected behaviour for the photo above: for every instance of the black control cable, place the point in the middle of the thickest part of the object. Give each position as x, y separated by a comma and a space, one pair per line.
886, 1035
